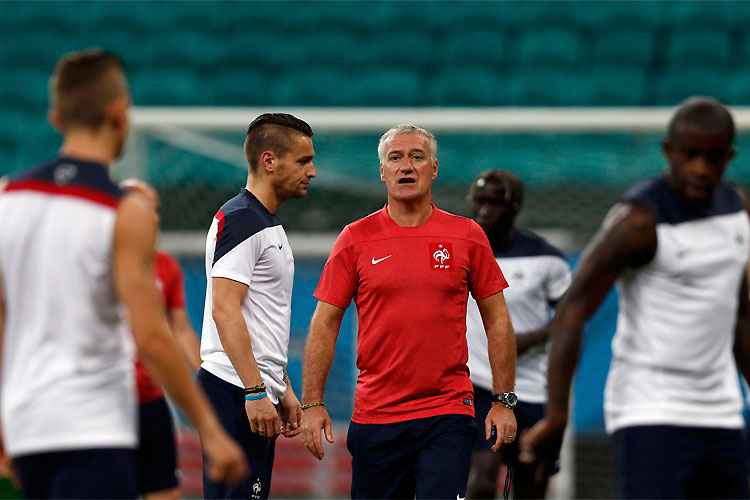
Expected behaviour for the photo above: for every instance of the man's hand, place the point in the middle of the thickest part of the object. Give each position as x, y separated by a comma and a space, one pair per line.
548, 430
290, 412
263, 418
504, 422
226, 462
315, 420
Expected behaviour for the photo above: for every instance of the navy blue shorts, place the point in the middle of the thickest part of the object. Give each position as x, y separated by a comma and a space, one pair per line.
527, 414
156, 456
664, 461
426, 458
88, 473
228, 402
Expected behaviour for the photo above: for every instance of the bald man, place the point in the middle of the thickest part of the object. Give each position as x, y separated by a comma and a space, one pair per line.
677, 245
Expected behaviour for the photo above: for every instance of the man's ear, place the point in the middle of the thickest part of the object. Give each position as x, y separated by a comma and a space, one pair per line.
53, 117
117, 111
267, 161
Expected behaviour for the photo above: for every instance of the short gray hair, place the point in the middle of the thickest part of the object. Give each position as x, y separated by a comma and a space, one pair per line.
406, 129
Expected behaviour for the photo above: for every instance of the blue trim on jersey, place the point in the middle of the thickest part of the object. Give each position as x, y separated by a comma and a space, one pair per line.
244, 216
85, 174
525, 243
669, 208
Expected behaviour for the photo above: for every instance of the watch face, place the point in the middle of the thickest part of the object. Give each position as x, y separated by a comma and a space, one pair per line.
511, 398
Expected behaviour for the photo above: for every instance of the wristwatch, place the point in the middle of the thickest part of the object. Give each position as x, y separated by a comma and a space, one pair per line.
507, 399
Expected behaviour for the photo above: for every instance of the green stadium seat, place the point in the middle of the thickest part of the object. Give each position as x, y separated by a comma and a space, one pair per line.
706, 48
24, 90
534, 14
671, 88
739, 15
738, 88
714, 13
462, 86
183, 49
619, 13
558, 47
315, 87
488, 48
249, 49
387, 87
318, 50
445, 16
35, 50
618, 85
550, 87
20, 17
167, 16
238, 87
742, 49
323, 16
164, 87
629, 46
408, 50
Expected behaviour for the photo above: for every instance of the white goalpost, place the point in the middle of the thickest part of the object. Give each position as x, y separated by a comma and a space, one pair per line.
194, 130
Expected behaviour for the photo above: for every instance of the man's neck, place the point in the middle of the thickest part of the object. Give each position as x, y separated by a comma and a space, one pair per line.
265, 193
410, 214
501, 242
87, 146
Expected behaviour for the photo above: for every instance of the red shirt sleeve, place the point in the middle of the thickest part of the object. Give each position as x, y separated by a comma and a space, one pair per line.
174, 288
485, 276
338, 281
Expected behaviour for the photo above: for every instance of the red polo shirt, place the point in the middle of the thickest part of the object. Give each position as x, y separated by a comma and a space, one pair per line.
410, 286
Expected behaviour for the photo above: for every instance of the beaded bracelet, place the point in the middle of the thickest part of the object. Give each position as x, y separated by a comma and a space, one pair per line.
256, 396
307, 406
255, 389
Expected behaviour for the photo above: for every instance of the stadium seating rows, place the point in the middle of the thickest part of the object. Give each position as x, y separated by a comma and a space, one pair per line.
379, 53
421, 53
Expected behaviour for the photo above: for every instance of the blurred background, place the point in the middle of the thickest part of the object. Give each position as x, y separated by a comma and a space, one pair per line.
570, 96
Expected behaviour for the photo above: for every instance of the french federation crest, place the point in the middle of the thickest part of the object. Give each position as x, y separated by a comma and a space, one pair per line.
257, 488
441, 255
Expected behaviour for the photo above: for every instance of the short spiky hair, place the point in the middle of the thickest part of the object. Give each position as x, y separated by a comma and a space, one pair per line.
83, 84
272, 131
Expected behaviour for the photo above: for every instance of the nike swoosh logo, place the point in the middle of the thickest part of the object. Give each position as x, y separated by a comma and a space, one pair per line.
460, 498
378, 261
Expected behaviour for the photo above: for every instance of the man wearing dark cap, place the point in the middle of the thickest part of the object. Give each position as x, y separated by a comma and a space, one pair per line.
250, 269
677, 245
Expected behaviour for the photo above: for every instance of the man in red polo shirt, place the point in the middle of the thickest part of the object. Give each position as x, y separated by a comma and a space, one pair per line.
410, 267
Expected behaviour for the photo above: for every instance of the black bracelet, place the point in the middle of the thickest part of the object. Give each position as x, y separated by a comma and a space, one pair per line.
307, 406
254, 389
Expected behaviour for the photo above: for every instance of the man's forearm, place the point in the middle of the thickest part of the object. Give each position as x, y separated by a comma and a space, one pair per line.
158, 354
527, 340
190, 348
501, 344
319, 352
742, 346
237, 344
563, 358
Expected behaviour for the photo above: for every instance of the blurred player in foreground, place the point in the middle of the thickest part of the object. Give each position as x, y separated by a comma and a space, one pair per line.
678, 246
410, 268
75, 249
537, 275
246, 321
157, 448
